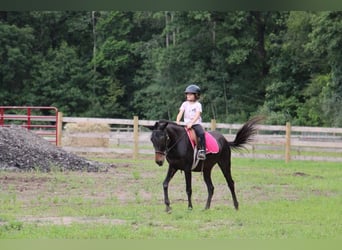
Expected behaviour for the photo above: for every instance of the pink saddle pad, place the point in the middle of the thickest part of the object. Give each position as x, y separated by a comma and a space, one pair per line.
211, 144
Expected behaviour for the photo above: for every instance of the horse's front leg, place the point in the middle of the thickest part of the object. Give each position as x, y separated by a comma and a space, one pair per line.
188, 188
170, 173
210, 186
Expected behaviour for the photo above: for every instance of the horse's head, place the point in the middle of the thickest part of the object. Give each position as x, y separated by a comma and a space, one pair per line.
159, 140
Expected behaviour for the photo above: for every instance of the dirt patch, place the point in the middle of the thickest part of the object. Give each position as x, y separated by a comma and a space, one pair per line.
300, 174
67, 220
70, 190
118, 185
23, 183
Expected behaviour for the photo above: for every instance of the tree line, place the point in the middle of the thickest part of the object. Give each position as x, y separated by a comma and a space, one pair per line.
286, 65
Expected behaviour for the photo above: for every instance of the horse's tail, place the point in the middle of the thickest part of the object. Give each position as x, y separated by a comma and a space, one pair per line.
245, 133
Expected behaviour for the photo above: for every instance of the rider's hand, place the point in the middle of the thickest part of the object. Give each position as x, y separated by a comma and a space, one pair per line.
189, 125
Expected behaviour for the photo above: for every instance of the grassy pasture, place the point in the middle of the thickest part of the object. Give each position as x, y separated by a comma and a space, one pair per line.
300, 200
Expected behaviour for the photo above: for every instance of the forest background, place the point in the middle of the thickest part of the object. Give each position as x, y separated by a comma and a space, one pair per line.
286, 65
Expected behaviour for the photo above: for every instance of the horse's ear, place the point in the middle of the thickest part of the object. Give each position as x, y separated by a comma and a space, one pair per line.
157, 125
163, 126
149, 127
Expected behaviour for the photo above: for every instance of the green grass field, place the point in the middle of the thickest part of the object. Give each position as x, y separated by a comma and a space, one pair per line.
299, 200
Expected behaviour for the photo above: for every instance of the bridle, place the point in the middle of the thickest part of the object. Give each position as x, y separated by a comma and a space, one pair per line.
167, 141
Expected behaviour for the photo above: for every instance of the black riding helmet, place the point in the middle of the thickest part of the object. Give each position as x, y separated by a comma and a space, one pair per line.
194, 89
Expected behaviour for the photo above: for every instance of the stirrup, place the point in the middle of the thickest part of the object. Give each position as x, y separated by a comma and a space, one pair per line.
201, 155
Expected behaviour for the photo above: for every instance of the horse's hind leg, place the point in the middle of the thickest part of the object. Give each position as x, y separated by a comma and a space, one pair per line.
210, 186
170, 173
225, 167
232, 189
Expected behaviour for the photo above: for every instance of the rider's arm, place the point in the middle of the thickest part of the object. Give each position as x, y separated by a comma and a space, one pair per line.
179, 116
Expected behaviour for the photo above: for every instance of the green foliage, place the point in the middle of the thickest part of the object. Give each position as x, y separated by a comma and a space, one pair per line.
284, 64
326, 40
15, 61
59, 79
313, 108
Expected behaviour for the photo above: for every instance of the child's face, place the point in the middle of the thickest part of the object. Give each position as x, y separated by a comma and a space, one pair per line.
190, 97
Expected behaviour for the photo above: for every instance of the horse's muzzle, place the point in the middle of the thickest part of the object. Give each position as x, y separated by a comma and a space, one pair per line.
160, 158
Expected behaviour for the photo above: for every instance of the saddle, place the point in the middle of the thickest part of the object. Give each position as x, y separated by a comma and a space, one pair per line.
211, 144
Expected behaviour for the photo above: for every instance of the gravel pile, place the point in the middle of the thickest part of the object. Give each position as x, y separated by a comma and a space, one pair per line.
22, 150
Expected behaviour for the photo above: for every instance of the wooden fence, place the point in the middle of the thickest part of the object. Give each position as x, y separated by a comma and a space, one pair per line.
129, 137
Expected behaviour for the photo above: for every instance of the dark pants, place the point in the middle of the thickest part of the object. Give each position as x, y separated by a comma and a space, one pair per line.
200, 134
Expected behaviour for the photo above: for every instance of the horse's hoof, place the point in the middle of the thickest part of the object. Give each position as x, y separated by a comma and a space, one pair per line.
168, 210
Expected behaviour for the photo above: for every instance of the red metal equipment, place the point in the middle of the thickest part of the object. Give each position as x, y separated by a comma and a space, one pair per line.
43, 125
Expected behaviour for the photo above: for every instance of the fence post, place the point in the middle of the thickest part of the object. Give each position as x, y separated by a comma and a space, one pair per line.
288, 143
28, 118
136, 137
2, 114
59, 128
213, 125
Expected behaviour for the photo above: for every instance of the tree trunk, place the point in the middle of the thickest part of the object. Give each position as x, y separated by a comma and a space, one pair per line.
260, 24
166, 27
94, 38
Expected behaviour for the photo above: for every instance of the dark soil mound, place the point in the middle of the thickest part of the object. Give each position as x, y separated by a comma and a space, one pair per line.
22, 150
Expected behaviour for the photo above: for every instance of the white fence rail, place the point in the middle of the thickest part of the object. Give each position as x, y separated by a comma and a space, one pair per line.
128, 137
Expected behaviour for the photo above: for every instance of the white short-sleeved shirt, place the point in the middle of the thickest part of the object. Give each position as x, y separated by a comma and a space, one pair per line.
190, 109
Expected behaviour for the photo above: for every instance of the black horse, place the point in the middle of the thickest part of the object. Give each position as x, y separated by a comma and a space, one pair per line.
171, 141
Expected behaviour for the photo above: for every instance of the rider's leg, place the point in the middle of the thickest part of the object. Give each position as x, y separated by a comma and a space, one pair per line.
200, 134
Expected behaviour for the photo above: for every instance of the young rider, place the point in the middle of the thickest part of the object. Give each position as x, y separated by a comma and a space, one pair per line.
192, 110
